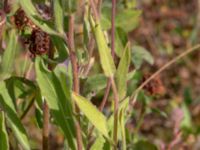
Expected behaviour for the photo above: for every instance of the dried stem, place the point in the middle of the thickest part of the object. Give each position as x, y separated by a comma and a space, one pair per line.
46, 111
114, 88
75, 76
163, 68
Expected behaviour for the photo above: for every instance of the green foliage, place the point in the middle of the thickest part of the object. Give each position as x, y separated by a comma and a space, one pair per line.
75, 84
9, 55
13, 120
3, 133
57, 95
139, 54
122, 71
92, 113
107, 62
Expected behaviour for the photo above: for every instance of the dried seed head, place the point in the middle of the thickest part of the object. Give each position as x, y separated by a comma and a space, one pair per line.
20, 19
39, 42
155, 86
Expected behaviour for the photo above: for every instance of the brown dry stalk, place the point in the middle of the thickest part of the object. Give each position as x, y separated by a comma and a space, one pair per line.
164, 68
75, 77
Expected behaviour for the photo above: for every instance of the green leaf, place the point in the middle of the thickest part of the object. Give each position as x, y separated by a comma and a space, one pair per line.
122, 72
99, 143
92, 113
94, 84
71, 6
32, 14
13, 120
128, 19
120, 41
56, 91
59, 15
4, 145
144, 145
9, 55
106, 59
105, 22
60, 47
139, 54
122, 109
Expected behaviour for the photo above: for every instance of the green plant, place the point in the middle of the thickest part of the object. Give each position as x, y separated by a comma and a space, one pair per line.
77, 61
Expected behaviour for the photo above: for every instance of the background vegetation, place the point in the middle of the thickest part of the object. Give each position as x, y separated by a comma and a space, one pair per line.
99, 74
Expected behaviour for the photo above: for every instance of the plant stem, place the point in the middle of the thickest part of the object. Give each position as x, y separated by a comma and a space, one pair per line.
114, 88
75, 76
45, 131
113, 28
164, 67
116, 105
46, 111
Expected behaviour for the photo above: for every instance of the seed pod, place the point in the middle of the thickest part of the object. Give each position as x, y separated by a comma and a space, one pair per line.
39, 42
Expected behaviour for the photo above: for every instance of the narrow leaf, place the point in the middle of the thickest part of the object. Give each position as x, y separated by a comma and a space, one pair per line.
9, 54
106, 59
58, 15
32, 14
57, 97
122, 123
122, 72
13, 120
3, 134
92, 113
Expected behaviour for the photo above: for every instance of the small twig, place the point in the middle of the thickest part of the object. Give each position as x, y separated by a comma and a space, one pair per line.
163, 68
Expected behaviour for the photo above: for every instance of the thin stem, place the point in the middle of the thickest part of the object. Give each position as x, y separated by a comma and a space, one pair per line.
46, 111
45, 131
102, 105
114, 88
75, 76
94, 9
163, 68
116, 105
113, 28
